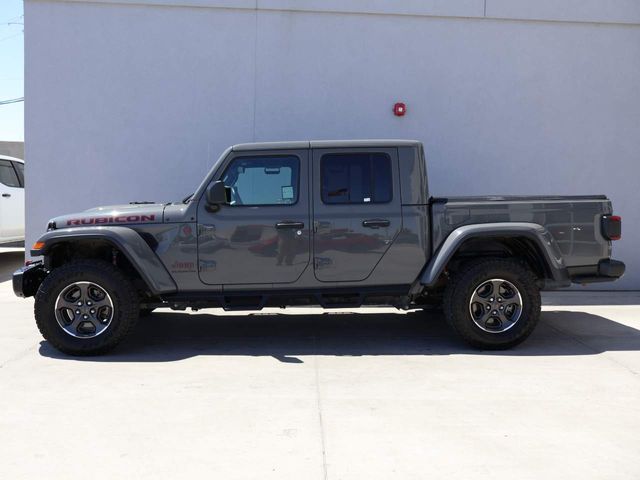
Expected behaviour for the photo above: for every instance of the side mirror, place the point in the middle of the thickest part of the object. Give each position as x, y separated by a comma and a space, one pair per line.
218, 194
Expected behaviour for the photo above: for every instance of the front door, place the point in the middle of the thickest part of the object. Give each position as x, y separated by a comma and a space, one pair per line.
11, 200
262, 237
356, 210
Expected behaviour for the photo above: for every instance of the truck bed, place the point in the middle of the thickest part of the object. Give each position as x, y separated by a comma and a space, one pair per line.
574, 221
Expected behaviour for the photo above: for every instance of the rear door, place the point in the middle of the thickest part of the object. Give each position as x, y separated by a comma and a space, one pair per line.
356, 210
11, 201
263, 236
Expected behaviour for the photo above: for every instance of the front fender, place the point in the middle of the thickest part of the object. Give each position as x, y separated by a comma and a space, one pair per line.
533, 231
126, 240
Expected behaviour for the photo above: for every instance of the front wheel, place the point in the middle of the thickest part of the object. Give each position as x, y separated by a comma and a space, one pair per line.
493, 304
86, 307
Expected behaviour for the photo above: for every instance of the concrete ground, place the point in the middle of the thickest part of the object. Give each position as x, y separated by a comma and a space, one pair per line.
304, 394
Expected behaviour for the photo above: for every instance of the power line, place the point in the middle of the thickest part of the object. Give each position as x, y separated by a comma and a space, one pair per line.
13, 100
13, 19
10, 36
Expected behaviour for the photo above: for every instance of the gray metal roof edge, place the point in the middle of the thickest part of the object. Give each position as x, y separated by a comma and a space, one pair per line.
241, 147
363, 143
324, 144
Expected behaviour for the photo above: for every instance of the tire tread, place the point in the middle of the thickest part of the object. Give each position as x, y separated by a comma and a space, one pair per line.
127, 303
455, 302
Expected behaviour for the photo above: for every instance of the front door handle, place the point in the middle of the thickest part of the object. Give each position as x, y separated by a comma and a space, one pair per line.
6, 195
376, 223
287, 224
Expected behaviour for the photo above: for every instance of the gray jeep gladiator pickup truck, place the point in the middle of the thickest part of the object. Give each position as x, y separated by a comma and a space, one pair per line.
329, 223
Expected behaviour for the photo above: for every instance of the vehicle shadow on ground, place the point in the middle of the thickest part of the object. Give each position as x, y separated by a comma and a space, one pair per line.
171, 336
10, 261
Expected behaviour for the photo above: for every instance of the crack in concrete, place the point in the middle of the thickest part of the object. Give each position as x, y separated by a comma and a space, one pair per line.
17, 357
319, 404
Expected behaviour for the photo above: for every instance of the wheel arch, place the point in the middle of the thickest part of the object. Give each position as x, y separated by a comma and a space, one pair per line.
529, 241
88, 242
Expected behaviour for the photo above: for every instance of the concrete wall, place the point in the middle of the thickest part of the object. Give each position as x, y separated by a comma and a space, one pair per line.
12, 149
134, 99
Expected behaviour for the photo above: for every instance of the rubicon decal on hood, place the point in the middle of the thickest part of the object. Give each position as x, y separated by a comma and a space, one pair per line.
117, 219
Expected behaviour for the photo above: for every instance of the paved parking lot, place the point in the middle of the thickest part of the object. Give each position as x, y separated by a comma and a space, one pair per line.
303, 394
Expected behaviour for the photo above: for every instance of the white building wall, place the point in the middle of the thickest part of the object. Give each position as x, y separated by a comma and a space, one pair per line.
134, 99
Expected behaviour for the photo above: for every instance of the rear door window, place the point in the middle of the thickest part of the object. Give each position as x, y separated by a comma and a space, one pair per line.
356, 178
8, 175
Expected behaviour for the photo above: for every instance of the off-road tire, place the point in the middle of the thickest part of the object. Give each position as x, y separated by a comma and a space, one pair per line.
463, 284
112, 280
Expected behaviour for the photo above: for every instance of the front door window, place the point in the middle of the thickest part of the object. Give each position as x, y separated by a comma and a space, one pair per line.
256, 181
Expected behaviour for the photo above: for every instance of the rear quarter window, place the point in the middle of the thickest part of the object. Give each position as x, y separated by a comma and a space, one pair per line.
20, 171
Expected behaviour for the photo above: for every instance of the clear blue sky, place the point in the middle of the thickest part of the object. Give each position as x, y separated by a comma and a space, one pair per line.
11, 69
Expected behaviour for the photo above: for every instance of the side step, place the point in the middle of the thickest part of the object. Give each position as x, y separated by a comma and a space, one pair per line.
233, 302
395, 296
342, 300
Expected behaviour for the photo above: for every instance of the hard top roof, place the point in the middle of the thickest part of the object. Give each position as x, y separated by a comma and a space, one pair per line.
324, 144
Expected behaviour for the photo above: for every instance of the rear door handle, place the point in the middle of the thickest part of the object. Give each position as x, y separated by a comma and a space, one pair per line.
376, 223
287, 224
6, 195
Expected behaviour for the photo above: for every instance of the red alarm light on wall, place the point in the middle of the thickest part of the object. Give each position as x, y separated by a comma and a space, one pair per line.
399, 109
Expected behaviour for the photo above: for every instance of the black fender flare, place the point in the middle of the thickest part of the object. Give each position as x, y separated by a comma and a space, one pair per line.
127, 241
532, 231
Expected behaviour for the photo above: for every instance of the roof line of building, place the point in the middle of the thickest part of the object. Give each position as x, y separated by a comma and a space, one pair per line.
623, 19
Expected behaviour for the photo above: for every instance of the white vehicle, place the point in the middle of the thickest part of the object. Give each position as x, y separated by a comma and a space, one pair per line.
11, 200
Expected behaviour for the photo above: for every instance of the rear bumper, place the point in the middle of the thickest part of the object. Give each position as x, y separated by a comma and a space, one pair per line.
26, 280
607, 270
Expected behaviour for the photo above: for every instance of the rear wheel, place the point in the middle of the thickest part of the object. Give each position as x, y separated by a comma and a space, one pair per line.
493, 303
86, 307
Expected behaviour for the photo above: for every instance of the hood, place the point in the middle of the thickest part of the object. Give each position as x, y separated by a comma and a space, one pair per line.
129, 214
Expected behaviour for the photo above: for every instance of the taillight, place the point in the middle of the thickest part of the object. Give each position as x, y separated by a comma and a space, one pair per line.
612, 227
